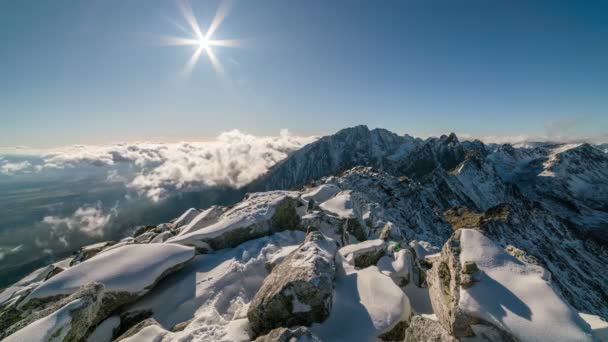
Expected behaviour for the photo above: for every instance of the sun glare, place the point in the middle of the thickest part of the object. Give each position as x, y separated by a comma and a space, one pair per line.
202, 42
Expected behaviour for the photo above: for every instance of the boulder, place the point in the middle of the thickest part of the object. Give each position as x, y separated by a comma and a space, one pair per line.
260, 214
146, 330
298, 291
126, 273
478, 289
87, 252
444, 289
301, 334
186, 217
425, 329
363, 254
68, 319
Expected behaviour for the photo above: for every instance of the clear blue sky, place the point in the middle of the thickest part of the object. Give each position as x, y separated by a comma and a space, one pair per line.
93, 71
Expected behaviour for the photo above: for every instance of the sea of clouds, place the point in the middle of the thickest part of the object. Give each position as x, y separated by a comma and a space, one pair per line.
152, 169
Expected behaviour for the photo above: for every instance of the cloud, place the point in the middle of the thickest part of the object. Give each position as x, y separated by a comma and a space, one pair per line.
9, 168
89, 220
234, 159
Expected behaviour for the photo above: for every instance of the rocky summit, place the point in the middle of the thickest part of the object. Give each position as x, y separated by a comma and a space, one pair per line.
364, 235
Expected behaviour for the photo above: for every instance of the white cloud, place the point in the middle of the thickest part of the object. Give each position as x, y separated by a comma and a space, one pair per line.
89, 220
233, 159
9, 168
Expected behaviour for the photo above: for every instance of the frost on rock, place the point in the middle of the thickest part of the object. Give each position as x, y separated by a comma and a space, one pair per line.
126, 273
260, 214
304, 280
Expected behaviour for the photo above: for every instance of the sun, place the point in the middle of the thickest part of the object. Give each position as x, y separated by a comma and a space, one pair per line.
203, 42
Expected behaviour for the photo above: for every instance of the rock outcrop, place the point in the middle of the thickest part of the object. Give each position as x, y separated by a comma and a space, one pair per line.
299, 290
68, 319
260, 214
428, 330
444, 280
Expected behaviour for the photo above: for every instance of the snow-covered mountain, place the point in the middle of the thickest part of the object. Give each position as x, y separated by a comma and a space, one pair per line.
360, 236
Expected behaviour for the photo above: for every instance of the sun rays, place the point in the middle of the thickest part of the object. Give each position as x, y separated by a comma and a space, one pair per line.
202, 42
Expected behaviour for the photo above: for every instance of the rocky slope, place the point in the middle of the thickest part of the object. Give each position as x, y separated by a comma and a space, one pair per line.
366, 235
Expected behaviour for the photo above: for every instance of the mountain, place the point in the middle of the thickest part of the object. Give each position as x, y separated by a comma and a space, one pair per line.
361, 235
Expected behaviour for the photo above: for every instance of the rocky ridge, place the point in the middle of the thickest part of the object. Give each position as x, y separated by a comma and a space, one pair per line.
374, 236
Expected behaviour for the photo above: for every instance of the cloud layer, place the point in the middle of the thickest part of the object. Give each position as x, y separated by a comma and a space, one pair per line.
153, 169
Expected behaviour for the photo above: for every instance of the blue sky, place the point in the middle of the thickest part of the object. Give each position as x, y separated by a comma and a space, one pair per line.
94, 72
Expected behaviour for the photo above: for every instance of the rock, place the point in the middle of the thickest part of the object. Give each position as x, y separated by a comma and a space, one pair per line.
399, 266
87, 252
162, 237
395, 334
66, 320
136, 329
469, 267
288, 335
186, 217
428, 330
444, 280
299, 289
521, 255
390, 232
260, 214
205, 218
363, 254
127, 273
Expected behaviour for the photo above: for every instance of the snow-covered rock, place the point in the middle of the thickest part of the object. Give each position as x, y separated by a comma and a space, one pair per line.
87, 252
363, 254
260, 214
186, 217
367, 305
321, 193
202, 219
67, 320
127, 272
299, 290
476, 282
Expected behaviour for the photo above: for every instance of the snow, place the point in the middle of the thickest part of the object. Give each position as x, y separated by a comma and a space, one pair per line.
515, 296
186, 217
104, 331
258, 207
95, 246
31, 280
214, 290
162, 237
321, 193
340, 205
598, 325
202, 220
52, 327
366, 304
151, 333
350, 252
423, 249
131, 268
